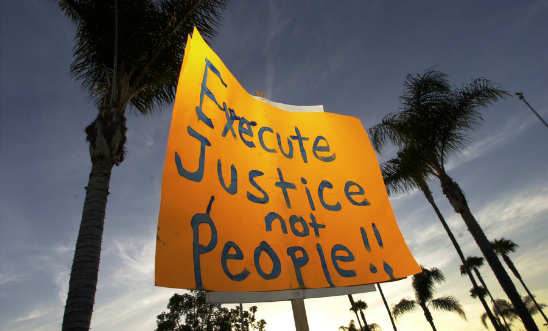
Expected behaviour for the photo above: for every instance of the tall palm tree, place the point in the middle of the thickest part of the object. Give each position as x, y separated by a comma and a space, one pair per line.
424, 286
435, 119
355, 310
474, 263
361, 306
387, 308
503, 247
127, 52
407, 172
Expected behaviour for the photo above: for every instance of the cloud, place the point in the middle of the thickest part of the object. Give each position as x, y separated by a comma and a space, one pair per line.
32, 315
514, 212
512, 128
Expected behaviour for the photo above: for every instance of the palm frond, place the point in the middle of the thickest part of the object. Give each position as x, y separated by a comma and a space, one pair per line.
448, 303
474, 261
408, 171
424, 283
361, 305
480, 291
484, 320
505, 309
402, 307
504, 246
531, 306
151, 39
390, 129
435, 117
351, 326
463, 270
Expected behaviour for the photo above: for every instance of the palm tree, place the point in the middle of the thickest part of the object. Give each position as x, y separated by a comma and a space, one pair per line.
407, 172
503, 247
354, 308
351, 326
374, 327
503, 309
474, 263
127, 52
387, 309
361, 306
436, 119
424, 286
507, 311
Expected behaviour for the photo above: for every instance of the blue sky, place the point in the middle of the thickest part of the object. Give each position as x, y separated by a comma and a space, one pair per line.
350, 56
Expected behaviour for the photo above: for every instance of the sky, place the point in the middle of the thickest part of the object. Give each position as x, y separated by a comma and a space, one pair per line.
350, 56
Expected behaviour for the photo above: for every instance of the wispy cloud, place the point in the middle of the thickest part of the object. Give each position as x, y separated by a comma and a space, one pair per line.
513, 127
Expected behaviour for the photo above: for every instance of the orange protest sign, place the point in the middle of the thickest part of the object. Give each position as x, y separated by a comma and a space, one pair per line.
255, 198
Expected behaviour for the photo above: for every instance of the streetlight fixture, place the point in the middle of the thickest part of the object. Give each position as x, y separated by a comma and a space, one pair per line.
521, 97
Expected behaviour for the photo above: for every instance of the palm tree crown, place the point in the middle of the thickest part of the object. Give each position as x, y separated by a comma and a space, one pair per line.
424, 285
504, 246
136, 43
436, 117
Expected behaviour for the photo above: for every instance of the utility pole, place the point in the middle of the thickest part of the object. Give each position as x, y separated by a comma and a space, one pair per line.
521, 97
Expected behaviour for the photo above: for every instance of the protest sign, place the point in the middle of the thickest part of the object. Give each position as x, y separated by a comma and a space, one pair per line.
255, 198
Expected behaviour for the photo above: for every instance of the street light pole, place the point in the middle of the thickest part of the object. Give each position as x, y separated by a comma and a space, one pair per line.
521, 97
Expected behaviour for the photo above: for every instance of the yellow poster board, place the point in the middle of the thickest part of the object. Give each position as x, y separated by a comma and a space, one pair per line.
255, 198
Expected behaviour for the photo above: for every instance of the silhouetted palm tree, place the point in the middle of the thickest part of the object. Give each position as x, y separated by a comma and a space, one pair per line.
355, 310
408, 172
351, 326
361, 306
474, 263
507, 311
435, 119
424, 286
503, 247
127, 52
387, 308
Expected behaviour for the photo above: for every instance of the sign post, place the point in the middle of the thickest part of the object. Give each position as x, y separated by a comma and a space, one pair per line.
299, 314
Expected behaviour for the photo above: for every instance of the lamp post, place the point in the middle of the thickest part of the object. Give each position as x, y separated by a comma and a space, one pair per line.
521, 97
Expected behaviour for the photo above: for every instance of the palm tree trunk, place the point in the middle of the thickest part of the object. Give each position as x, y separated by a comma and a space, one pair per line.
387, 309
456, 197
85, 266
106, 136
428, 316
518, 276
355, 310
428, 194
366, 326
478, 274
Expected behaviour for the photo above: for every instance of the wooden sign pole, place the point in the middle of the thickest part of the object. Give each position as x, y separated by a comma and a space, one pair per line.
299, 311
299, 314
